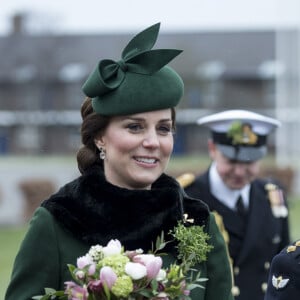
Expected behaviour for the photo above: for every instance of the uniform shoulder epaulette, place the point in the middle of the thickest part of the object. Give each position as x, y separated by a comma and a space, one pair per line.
186, 179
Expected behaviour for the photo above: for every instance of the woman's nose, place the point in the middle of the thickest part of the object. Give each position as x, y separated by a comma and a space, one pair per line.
151, 139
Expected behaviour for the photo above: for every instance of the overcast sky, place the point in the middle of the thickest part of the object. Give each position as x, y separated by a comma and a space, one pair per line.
69, 16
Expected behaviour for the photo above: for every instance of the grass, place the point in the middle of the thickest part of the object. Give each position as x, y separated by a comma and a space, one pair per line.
10, 239
294, 210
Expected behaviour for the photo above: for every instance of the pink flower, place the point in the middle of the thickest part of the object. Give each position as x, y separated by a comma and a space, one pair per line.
153, 267
153, 263
76, 292
69, 284
108, 276
132, 254
143, 258
185, 291
92, 269
84, 261
95, 286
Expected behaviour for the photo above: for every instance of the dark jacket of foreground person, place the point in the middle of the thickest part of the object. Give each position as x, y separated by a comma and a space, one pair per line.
89, 211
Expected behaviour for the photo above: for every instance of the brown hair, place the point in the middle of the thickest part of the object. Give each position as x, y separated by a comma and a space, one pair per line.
92, 125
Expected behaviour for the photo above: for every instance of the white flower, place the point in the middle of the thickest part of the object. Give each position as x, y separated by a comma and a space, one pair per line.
139, 251
135, 270
162, 274
96, 253
162, 295
80, 274
113, 247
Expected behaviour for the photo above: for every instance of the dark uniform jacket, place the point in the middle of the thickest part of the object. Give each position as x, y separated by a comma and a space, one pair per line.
253, 241
90, 211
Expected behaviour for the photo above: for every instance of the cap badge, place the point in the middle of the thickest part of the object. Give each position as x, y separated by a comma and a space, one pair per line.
241, 133
276, 199
279, 282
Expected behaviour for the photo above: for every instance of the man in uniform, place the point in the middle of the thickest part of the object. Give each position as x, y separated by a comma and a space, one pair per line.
253, 211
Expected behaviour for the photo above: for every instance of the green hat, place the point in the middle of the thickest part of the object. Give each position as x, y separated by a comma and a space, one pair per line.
139, 82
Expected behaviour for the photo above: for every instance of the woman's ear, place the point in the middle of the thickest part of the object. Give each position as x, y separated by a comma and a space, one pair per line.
99, 142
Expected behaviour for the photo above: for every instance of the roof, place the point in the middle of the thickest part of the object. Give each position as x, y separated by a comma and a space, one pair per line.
50, 56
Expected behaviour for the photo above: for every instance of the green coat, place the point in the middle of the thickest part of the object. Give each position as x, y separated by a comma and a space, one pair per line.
49, 246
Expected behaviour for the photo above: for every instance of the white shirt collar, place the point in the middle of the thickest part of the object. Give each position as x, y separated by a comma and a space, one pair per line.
224, 194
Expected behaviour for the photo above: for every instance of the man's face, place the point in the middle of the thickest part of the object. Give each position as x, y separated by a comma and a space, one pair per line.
235, 174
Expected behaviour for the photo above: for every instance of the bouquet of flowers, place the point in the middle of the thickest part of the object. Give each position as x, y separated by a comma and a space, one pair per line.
110, 272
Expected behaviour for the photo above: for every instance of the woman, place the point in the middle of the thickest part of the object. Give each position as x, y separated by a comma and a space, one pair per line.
123, 193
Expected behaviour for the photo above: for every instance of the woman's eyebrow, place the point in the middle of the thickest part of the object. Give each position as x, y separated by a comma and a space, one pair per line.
144, 119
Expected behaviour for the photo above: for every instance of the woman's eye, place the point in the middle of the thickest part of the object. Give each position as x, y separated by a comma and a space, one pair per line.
164, 130
135, 127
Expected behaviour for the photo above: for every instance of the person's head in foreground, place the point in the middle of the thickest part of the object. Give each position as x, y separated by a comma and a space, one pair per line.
129, 113
238, 143
284, 276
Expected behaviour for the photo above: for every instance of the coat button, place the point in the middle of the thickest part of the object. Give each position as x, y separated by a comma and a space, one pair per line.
267, 265
236, 270
264, 287
235, 291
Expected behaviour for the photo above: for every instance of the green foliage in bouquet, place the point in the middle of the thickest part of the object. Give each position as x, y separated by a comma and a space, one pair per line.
192, 245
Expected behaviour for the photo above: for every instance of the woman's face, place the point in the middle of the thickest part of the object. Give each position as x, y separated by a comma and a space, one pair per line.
138, 148
235, 174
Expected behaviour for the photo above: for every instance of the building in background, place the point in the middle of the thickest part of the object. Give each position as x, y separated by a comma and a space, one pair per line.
42, 71
41, 77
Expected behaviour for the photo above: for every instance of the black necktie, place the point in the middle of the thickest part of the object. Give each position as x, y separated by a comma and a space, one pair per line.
240, 207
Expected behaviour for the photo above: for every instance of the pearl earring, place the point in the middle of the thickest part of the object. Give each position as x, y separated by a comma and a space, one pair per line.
102, 153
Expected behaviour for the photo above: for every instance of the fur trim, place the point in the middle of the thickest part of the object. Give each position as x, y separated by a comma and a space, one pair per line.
96, 211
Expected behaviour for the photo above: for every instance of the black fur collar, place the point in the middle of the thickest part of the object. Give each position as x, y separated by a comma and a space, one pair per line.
96, 211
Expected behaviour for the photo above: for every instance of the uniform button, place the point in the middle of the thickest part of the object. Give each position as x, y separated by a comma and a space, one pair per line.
235, 291
267, 265
236, 270
264, 287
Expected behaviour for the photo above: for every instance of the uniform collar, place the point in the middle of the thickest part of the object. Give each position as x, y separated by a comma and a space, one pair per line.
224, 194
